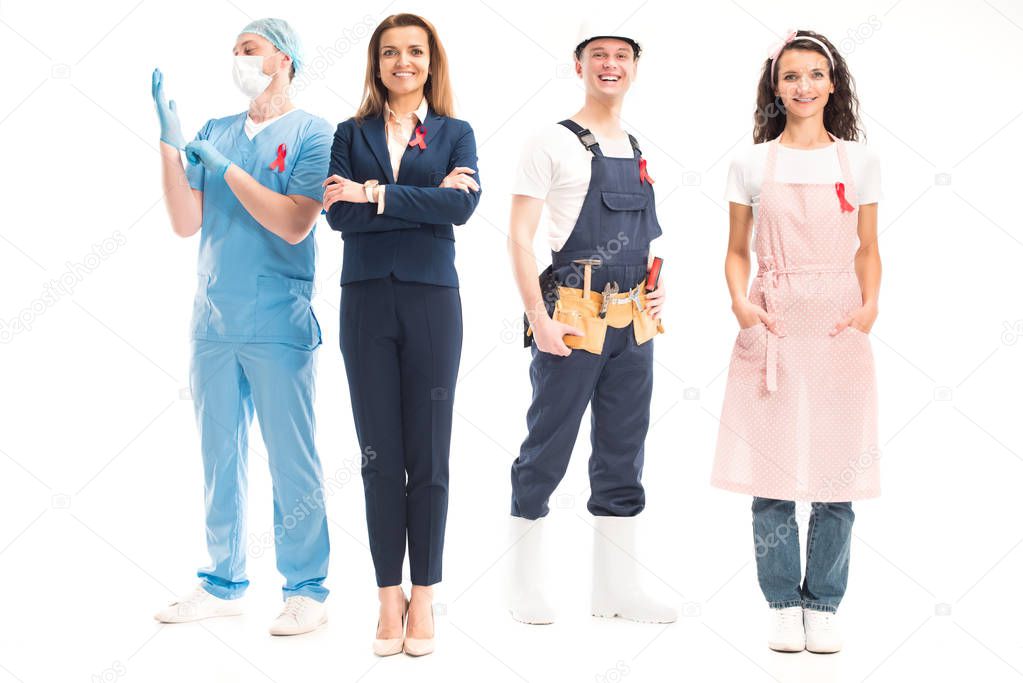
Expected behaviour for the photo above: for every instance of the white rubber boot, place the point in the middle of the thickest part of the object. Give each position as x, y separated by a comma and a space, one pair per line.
616, 586
527, 600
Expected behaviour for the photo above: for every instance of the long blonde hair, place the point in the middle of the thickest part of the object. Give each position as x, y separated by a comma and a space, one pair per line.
438, 85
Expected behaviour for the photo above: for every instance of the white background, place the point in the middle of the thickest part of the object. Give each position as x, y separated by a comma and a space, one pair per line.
100, 473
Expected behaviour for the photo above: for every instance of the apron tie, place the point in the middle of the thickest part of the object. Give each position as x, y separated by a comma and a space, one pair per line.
769, 283
772, 362
768, 274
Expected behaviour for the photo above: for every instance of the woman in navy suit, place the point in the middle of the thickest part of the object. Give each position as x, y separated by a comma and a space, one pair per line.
403, 172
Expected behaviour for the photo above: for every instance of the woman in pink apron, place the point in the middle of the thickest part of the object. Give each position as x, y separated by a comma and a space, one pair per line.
799, 421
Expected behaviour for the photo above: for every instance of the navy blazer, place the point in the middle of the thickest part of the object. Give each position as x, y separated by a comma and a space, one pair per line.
414, 237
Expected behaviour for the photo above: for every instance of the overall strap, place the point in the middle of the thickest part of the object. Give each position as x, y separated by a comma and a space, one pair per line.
588, 140
635, 145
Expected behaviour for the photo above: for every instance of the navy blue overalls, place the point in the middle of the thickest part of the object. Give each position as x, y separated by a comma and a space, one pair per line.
616, 224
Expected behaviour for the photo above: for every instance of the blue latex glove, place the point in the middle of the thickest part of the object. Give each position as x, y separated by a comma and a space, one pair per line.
203, 152
170, 125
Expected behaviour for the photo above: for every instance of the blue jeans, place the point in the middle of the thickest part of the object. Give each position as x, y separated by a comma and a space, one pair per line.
776, 542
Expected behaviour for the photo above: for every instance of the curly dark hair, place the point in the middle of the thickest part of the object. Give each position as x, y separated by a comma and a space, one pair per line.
841, 113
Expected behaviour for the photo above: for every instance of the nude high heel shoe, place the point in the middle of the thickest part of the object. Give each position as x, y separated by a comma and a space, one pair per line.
417, 647
385, 647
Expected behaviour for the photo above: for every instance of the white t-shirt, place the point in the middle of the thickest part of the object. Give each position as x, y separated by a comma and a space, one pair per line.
555, 167
252, 128
821, 165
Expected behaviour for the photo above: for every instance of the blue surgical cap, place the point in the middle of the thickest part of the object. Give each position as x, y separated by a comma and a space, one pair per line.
281, 35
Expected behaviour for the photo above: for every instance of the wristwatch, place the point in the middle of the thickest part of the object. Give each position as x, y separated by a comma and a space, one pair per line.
369, 186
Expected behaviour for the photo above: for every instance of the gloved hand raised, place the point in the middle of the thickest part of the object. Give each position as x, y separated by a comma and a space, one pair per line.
203, 152
170, 125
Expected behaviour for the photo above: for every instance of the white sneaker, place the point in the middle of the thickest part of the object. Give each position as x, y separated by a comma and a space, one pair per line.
787, 633
617, 590
199, 604
527, 599
822, 634
300, 615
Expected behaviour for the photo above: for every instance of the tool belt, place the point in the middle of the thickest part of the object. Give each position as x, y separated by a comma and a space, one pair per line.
592, 312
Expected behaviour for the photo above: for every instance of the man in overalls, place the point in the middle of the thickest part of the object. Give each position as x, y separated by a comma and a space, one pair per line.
593, 180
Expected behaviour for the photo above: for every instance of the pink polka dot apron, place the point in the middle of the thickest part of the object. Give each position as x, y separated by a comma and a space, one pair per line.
799, 420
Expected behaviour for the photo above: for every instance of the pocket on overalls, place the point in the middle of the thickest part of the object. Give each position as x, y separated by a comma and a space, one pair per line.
625, 212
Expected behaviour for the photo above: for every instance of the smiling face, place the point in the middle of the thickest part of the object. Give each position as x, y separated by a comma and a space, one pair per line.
607, 67
804, 82
404, 59
252, 45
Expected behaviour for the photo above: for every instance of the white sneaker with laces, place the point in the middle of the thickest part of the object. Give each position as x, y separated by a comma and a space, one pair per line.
787, 633
300, 615
822, 634
199, 604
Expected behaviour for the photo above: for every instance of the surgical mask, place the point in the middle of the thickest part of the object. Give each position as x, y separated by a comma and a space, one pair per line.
249, 76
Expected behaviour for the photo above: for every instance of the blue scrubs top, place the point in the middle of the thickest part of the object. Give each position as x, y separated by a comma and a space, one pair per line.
253, 285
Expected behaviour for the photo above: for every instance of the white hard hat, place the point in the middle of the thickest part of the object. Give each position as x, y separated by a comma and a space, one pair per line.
591, 30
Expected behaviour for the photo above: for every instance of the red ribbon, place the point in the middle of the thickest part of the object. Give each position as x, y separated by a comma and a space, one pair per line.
278, 163
643, 175
420, 138
840, 190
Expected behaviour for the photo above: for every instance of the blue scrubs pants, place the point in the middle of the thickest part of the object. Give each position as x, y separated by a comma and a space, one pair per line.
230, 381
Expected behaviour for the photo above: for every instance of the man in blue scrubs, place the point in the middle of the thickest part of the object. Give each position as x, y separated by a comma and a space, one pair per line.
254, 187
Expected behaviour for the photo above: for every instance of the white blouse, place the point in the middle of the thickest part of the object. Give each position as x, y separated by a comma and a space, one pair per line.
399, 131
